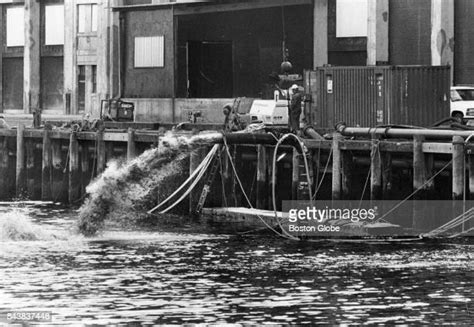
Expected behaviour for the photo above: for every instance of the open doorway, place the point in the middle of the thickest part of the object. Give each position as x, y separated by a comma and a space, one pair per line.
210, 70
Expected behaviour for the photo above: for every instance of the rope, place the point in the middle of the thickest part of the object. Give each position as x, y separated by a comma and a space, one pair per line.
324, 174
199, 171
415, 191
245, 194
465, 216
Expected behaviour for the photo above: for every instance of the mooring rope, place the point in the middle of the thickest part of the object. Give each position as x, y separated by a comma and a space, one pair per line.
324, 173
415, 191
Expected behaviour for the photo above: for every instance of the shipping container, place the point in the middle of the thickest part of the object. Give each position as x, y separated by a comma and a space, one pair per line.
377, 95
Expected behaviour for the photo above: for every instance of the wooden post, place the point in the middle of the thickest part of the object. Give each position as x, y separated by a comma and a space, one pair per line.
419, 168
458, 167
20, 161
387, 175
346, 174
74, 191
234, 187
419, 180
131, 149
458, 177
100, 152
375, 171
270, 152
85, 172
46, 167
336, 166
4, 173
59, 187
261, 176
33, 189
471, 173
295, 175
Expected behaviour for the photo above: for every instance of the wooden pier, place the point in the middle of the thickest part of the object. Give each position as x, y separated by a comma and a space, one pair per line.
57, 165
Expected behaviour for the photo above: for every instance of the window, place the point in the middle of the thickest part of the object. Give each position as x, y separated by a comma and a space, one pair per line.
351, 18
149, 51
54, 24
15, 27
87, 18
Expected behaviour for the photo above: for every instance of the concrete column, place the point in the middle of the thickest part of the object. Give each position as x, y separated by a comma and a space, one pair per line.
377, 31
320, 33
103, 35
31, 63
69, 51
442, 32
114, 51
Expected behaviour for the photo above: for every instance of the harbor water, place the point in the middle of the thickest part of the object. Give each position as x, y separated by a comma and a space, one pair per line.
151, 276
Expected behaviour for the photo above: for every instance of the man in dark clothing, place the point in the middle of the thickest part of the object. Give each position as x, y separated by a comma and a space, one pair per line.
294, 109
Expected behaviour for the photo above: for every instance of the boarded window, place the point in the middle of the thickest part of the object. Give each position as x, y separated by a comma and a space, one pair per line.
149, 51
15, 27
351, 18
87, 18
54, 24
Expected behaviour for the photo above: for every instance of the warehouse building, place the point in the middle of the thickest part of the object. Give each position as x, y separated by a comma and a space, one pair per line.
176, 58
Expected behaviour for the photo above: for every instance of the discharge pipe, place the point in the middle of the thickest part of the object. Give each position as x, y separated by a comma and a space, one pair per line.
394, 132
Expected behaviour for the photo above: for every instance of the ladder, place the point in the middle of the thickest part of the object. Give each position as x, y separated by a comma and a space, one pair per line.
207, 186
303, 190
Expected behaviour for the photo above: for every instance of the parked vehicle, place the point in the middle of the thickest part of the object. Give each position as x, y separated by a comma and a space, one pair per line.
462, 102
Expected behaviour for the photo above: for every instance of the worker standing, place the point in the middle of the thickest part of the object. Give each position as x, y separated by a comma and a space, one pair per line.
294, 108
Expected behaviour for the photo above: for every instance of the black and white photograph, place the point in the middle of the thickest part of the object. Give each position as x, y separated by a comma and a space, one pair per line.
236, 162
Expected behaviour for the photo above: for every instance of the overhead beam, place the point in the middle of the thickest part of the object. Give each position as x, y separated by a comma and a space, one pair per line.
203, 8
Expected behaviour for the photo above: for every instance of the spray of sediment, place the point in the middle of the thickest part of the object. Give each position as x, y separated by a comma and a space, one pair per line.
16, 225
125, 191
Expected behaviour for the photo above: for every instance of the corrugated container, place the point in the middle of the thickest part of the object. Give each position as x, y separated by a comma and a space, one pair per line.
378, 95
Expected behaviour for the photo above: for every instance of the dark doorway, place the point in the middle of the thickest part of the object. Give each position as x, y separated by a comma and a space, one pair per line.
210, 69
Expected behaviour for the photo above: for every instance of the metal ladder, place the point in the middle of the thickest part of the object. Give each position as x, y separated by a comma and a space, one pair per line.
207, 186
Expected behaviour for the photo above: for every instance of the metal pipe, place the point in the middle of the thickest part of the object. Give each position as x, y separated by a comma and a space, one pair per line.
310, 132
401, 132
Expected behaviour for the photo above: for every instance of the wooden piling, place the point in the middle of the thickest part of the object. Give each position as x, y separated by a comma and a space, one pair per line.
261, 176
295, 175
336, 166
46, 167
74, 191
346, 174
270, 152
20, 161
85, 164
419, 213
100, 152
458, 167
419, 168
470, 163
31, 184
131, 147
4, 171
375, 171
387, 182
59, 188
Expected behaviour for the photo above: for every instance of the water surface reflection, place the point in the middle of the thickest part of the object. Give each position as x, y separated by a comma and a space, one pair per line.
151, 277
